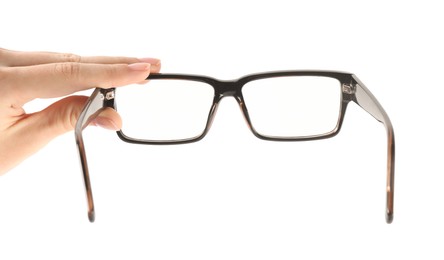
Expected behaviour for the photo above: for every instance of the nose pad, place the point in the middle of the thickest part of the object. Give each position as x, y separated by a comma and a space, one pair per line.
229, 121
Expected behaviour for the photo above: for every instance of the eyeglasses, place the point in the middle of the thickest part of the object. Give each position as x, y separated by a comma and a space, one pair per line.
278, 106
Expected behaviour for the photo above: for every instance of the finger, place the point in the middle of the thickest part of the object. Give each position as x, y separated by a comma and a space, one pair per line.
108, 119
33, 132
23, 84
62, 116
11, 58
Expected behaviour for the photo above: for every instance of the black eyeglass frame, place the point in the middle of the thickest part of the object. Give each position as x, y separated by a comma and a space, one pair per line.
352, 89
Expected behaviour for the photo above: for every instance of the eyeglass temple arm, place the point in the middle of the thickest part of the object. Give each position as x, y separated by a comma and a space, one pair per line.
86, 179
365, 99
99, 100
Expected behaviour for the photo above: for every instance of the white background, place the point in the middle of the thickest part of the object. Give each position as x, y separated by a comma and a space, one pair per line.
232, 196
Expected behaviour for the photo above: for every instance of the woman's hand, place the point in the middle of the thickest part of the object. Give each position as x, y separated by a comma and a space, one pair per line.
25, 76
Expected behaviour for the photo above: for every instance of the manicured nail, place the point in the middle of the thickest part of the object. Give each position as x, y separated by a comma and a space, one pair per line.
151, 61
140, 66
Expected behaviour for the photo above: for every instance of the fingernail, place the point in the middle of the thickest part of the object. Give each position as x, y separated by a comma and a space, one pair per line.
106, 123
140, 66
151, 61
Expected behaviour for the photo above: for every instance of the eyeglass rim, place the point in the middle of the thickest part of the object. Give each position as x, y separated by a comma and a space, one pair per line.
221, 85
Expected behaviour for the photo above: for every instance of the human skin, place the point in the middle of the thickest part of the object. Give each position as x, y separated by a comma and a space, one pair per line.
25, 76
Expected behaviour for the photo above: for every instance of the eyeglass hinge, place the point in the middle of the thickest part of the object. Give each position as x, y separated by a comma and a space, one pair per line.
349, 88
107, 94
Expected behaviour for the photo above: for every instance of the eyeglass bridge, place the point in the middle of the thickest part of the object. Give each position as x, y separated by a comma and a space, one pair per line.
230, 88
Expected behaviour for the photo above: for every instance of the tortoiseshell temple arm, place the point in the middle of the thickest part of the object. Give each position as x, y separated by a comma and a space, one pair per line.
365, 99
95, 104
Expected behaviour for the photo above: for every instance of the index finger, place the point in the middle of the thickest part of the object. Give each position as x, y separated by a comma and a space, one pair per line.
23, 84
10, 58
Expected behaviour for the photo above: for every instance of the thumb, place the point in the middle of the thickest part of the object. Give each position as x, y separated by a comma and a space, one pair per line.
61, 117
36, 130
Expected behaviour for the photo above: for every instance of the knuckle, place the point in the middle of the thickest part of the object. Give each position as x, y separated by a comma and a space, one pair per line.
69, 57
74, 112
112, 71
63, 114
69, 70
109, 74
